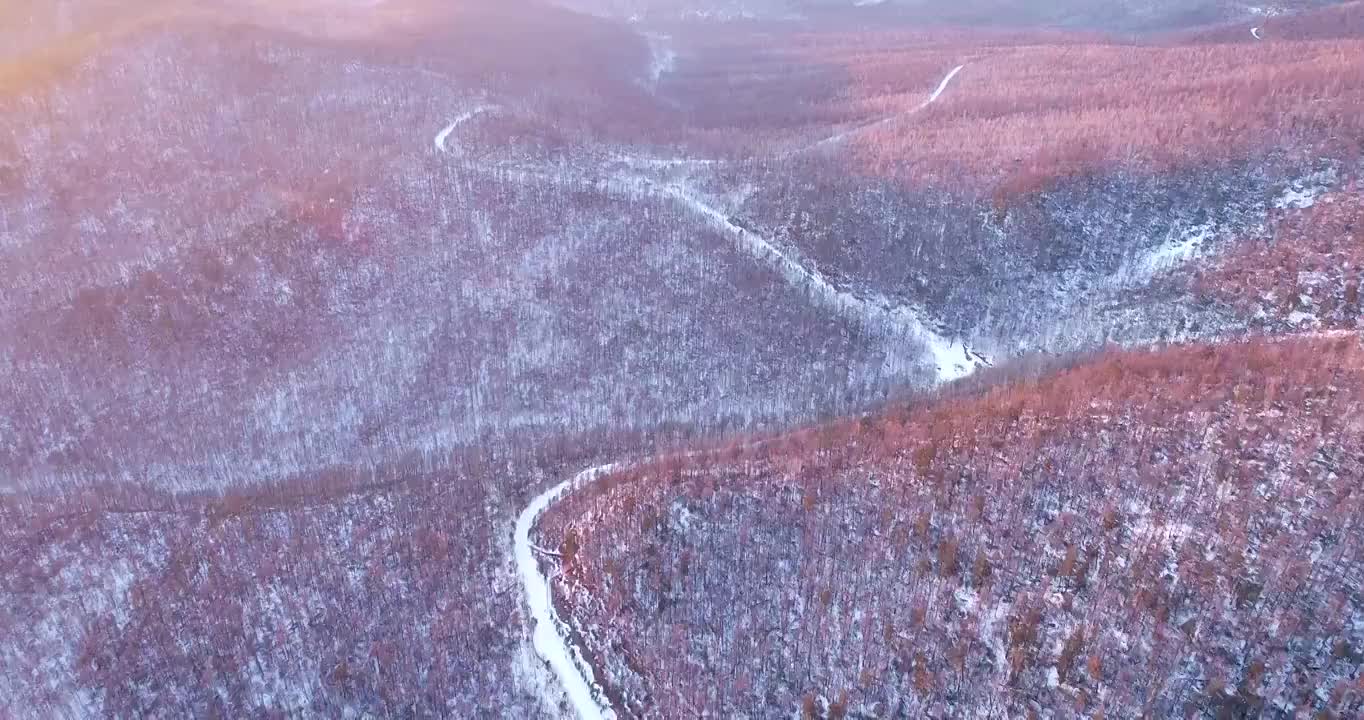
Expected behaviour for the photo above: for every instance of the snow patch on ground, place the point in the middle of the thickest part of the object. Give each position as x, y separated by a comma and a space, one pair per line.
732, 14
646, 162
1298, 318
662, 57
954, 360
1304, 192
1265, 10
1192, 241
1178, 248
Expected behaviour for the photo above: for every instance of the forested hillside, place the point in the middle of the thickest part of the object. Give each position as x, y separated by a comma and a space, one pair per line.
1158, 533
1029, 331
1117, 16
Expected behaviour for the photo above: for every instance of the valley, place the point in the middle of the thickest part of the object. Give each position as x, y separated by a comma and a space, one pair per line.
650, 359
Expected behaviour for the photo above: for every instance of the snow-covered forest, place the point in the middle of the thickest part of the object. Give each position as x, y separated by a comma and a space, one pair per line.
1090, 541
406, 358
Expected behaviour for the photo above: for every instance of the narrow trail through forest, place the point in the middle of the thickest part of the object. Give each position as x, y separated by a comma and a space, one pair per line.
952, 360
863, 127
443, 136
549, 635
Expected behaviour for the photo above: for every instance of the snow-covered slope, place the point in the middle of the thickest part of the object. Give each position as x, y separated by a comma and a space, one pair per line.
1002, 552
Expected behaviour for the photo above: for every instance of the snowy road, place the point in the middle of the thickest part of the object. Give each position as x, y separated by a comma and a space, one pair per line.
942, 87
444, 135
932, 98
549, 634
951, 359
